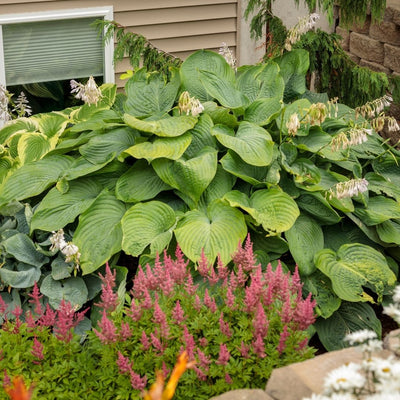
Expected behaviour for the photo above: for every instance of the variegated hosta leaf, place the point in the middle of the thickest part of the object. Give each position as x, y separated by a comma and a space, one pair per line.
164, 147
147, 224
305, 233
99, 234
217, 232
190, 177
379, 209
51, 124
57, 210
20, 125
33, 146
275, 210
139, 183
353, 267
253, 143
166, 127
33, 178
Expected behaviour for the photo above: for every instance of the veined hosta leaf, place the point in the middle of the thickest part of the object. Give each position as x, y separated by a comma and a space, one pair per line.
379, 209
56, 210
380, 185
99, 234
233, 164
108, 145
369, 231
33, 146
220, 115
315, 141
24, 276
166, 127
203, 60
51, 124
190, 177
23, 249
275, 210
139, 183
217, 232
251, 142
82, 167
389, 231
33, 178
223, 90
165, 147
19, 125
72, 290
354, 266
201, 136
350, 317
305, 234
145, 224
99, 120
386, 166
263, 111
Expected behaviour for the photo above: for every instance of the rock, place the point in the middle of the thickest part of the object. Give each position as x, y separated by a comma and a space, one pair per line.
244, 394
362, 28
392, 342
345, 34
374, 66
387, 32
366, 48
392, 57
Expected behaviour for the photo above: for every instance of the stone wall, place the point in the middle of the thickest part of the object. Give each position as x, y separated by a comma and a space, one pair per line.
376, 46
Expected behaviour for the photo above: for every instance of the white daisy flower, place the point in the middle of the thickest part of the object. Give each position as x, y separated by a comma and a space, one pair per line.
346, 378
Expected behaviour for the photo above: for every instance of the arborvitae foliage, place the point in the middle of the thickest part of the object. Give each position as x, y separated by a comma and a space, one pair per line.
136, 47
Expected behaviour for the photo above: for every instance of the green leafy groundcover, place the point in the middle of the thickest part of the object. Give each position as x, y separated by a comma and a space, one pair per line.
133, 175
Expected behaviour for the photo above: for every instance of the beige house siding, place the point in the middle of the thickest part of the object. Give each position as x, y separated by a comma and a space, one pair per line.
176, 26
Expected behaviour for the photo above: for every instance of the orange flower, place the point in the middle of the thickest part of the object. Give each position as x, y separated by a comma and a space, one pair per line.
157, 391
17, 390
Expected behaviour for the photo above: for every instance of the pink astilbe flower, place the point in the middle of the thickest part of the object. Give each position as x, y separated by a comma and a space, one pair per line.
139, 283
199, 373
302, 344
145, 341
230, 299
197, 303
109, 299
6, 379
286, 313
35, 299
203, 342
224, 326
259, 346
241, 276
108, 331
152, 282
204, 361
30, 321
125, 332
177, 313
48, 318
203, 266
135, 311
245, 256
66, 320
304, 313
165, 370
190, 288
138, 382
209, 302
296, 284
125, 367
189, 342
224, 355
282, 340
179, 271
3, 307
260, 322
244, 350
37, 351
160, 318
124, 364
228, 379
156, 342
17, 312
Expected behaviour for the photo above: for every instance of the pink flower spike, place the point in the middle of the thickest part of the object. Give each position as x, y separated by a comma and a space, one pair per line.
259, 347
35, 299
48, 318
224, 326
209, 302
224, 354
190, 344
304, 313
282, 340
108, 331
123, 363
197, 303
230, 299
145, 341
109, 299
245, 256
177, 313
37, 351
155, 341
125, 332
200, 374
135, 311
203, 266
228, 379
244, 350
260, 322
137, 382
3, 307
204, 361
190, 288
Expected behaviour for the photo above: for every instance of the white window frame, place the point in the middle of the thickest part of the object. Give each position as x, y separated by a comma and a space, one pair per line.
105, 12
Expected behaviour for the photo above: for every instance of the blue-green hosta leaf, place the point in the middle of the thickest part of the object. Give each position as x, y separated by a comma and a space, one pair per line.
233, 164
99, 234
151, 96
350, 317
166, 127
19, 125
33, 178
353, 267
109, 145
190, 177
216, 232
72, 290
23, 249
315, 141
201, 136
223, 90
263, 111
33, 146
24, 276
251, 142
57, 210
147, 224
275, 210
389, 231
139, 183
317, 206
203, 60
380, 185
305, 234
388, 167
320, 286
369, 231
379, 209
164, 147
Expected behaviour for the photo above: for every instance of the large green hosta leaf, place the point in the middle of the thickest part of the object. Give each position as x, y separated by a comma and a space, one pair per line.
165, 127
190, 177
24, 276
253, 143
317, 206
350, 317
166, 147
57, 210
263, 111
389, 231
379, 209
147, 224
353, 267
201, 136
380, 185
275, 210
33, 178
51, 124
203, 60
388, 167
305, 234
139, 183
216, 232
33, 146
99, 234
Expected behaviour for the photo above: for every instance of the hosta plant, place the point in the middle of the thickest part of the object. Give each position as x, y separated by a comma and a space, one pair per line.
208, 156
234, 325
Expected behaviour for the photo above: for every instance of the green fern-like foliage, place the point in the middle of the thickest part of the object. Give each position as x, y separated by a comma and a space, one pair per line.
136, 47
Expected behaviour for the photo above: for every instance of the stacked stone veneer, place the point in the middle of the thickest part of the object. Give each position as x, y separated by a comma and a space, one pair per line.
376, 46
